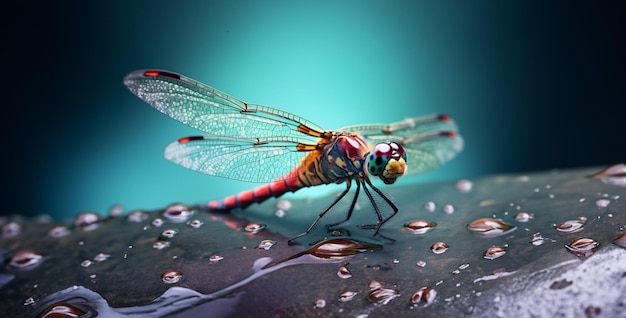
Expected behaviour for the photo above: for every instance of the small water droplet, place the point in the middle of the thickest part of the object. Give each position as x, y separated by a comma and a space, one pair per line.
87, 220
523, 217
171, 276
464, 266
494, 252
11, 229
59, 231
347, 296
430, 206
253, 227
464, 185
280, 213
177, 213
620, 240
582, 247
420, 263
266, 244
158, 222
382, 296
570, 226
62, 310
25, 260
448, 208
603, 203
487, 227
29, 301
116, 210
159, 245
344, 272
137, 216
424, 296
439, 247
340, 248
319, 303
419, 226
196, 224
86, 263
537, 239
169, 233
101, 257
284, 205
395, 261
216, 258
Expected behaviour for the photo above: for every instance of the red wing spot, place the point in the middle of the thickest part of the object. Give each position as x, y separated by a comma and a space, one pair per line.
151, 73
444, 117
161, 73
190, 138
450, 134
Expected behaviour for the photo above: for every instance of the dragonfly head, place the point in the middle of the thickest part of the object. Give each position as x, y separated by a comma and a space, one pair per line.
387, 161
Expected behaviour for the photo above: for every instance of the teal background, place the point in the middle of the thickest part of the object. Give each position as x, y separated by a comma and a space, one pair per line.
533, 85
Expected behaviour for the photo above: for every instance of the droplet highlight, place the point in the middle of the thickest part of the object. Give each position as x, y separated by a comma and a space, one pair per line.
487, 227
419, 226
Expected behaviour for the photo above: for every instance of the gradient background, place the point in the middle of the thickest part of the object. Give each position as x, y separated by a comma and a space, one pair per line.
534, 85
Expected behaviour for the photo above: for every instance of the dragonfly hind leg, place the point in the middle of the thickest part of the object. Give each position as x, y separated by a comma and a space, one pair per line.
352, 205
381, 219
330, 206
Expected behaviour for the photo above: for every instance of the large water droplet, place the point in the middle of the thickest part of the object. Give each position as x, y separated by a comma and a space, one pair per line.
62, 310
424, 296
582, 247
487, 227
340, 248
87, 220
382, 296
494, 252
347, 296
25, 260
439, 247
419, 226
177, 213
570, 226
343, 272
171, 276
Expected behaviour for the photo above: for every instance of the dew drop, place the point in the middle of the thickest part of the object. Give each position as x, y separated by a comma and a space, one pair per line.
158, 222
424, 296
169, 233
537, 239
620, 240
86, 263
280, 213
570, 226
603, 203
284, 205
177, 213
523, 217
615, 175
344, 272
340, 248
420, 263
196, 224
216, 258
347, 296
159, 245
430, 206
87, 220
62, 310
439, 247
487, 227
25, 260
59, 231
29, 301
171, 276
419, 226
395, 261
448, 208
464, 266
137, 216
464, 185
382, 296
266, 244
319, 303
101, 257
116, 210
11, 229
582, 247
253, 227
375, 284
494, 252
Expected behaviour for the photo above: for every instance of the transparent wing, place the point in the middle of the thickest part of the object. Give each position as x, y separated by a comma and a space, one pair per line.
429, 141
248, 160
214, 112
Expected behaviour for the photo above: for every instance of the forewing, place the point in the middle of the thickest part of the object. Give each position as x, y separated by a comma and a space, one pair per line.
429, 141
236, 158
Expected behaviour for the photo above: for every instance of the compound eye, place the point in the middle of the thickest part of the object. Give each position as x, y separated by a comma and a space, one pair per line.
378, 158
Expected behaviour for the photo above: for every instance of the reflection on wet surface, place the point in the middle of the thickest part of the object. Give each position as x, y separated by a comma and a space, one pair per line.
240, 264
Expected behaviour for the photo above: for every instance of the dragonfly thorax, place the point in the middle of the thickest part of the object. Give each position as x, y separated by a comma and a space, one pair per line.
387, 161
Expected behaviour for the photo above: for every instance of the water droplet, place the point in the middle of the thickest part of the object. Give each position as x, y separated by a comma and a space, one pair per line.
171, 276
116, 210
464, 266
177, 213
266, 244
284, 205
582, 247
494, 252
101, 257
560, 284
11, 229
86, 263
537, 239
280, 213
59, 231
62, 310
347, 296
464, 185
216, 258
603, 203
523, 217
487, 227
137, 216
615, 174
253, 227
159, 245
25, 260
382, 296
375, 284
158, 222
620, 240
340, 248
439, 247
169, 233
430, 206
570, 226
196, 224
29, 301
87, 220
420, 263
319, 303
395, 261
344, 272
424, 296
419, 226
448, 208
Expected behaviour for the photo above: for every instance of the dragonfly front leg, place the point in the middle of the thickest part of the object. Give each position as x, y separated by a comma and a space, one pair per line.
343, 194
356, 196
381, 219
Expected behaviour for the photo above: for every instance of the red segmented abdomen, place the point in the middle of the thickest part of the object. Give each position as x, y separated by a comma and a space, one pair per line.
258, 194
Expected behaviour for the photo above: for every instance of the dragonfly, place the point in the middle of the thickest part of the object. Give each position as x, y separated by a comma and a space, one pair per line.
285, 152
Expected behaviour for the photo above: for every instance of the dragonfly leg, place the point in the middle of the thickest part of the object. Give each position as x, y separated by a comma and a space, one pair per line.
356, 196
343, 194
382, 195
381, 219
